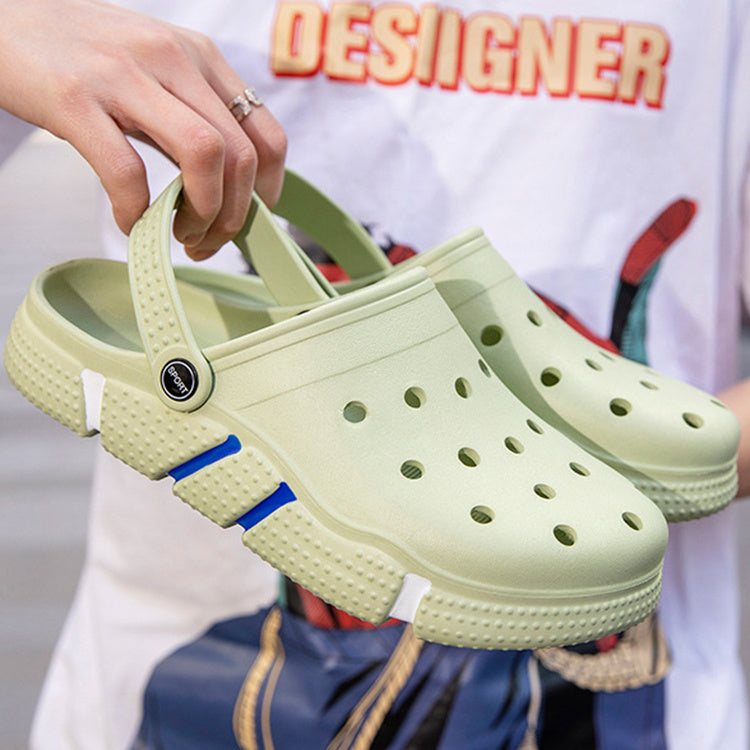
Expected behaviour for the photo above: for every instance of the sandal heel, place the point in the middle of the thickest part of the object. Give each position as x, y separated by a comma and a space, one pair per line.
45, 374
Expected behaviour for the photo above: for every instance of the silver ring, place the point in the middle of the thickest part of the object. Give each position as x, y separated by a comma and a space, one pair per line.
241, 106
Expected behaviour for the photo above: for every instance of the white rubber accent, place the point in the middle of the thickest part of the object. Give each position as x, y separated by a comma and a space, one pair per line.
408, 599
93, 389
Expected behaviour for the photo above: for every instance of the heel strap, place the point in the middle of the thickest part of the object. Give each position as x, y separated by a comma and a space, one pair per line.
342, 236
181, 375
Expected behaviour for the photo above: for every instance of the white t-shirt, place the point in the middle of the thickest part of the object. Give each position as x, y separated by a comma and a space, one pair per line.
563, 131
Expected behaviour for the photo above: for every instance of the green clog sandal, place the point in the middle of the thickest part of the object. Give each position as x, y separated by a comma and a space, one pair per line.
363, 444
675, 443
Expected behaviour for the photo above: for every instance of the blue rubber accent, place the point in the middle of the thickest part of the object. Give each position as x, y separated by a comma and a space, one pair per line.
229, 447
281, 496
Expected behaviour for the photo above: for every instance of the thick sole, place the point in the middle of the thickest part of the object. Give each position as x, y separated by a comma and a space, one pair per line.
443, 616
688, 497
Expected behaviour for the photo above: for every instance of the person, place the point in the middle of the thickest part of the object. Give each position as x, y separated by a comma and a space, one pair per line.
548, 128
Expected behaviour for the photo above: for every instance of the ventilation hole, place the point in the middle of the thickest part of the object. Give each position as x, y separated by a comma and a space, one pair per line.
491, 335
632, 520
412, 469
415, 397
620, 407
534, 317
534, 427
565, 535
648, 384
551, 376
694, 420
582, 471
468, 457
544, 491
593, 364
482, 514
716, 402
355, 411
513, 445
607, 355
483, 367
463, 387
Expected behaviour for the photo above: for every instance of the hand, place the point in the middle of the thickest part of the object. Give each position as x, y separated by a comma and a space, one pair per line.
92, 73
737, 398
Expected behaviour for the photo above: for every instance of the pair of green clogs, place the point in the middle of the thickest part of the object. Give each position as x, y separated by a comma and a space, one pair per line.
428, 442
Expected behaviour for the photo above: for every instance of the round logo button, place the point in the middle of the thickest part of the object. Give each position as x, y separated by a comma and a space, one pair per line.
179, 379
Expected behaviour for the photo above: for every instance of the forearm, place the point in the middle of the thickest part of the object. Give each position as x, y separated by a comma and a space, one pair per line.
737, 398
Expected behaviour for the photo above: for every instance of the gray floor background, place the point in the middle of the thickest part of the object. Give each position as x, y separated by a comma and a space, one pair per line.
48, 213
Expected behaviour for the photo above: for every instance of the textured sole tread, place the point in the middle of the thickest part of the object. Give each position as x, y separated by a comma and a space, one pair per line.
444, 617
293, 539
686, 500
52, 385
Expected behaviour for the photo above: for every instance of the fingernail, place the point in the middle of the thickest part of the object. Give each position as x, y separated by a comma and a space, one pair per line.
200, 254
192, 239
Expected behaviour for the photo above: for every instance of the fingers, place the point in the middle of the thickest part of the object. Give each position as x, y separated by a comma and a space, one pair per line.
270, 144
220, 171
254, 162
218, 163
118, 165
260, 126
222, 160
170, 87
218, 160
256, 146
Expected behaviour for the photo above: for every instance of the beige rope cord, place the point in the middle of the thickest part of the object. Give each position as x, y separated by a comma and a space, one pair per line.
364, 721
535, 705
265, 709
360, 728
270, 656
640, 658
